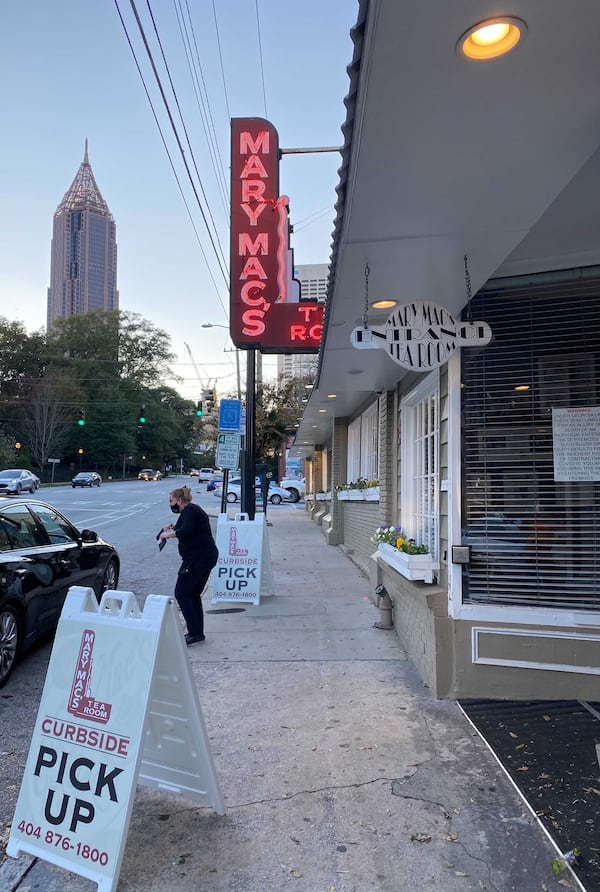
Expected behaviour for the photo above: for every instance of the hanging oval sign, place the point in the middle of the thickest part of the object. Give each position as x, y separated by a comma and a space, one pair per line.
421, 335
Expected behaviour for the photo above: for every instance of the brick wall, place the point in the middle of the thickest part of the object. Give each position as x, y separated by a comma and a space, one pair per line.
422, 624
334, 532
360, 522
387, 455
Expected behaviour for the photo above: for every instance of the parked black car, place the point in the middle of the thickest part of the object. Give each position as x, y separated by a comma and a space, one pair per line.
14, 481
86, 478
41, 555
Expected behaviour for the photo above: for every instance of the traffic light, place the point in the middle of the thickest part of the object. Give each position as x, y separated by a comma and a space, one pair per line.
81, 421
199, 411
209, 400
142, 418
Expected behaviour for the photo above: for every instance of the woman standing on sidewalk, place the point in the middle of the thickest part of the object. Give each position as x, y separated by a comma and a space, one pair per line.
198, 556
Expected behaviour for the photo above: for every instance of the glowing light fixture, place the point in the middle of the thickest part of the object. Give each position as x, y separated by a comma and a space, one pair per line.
491, 38
522, 387
384, 304
331, 396
322, 410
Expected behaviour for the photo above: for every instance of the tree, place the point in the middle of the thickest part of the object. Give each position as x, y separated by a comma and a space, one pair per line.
120, 361
106, 364
108, 345
46, 417
21, 361
21, 356
278, 406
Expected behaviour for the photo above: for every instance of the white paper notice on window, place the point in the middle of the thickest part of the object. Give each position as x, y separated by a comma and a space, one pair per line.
576, 443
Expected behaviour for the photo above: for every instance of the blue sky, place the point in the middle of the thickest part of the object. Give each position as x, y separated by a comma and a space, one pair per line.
68, 74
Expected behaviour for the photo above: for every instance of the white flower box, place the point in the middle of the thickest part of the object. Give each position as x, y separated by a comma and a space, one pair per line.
323, 496
372, 494
343, 495
356, 495
411, 566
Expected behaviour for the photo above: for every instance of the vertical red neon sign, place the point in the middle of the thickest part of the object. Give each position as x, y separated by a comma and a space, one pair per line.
264, 314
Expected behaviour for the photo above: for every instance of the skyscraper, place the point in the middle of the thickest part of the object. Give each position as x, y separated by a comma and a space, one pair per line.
83, 267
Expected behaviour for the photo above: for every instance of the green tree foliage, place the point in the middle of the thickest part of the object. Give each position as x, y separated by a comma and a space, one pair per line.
278, 406
21, 356
109, 364
105, 346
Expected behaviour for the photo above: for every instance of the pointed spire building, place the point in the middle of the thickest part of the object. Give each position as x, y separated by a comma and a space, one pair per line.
83, 270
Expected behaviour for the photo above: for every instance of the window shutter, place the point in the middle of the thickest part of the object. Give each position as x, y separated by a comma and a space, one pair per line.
534, 540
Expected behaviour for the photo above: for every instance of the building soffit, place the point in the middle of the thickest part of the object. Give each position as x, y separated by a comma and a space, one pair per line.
444, 157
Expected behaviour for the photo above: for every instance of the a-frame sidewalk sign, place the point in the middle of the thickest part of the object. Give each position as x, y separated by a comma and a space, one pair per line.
243, 571
119, 707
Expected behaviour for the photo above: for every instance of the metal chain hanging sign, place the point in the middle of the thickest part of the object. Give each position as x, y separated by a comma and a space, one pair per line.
422, 335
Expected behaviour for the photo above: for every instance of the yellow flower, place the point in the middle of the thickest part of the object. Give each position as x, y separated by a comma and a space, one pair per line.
399, 542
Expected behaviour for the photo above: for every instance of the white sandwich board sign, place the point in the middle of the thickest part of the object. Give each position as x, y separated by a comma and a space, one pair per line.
119, 707
243, 571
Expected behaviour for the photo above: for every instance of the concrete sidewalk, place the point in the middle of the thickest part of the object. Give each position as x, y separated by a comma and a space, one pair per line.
339, 771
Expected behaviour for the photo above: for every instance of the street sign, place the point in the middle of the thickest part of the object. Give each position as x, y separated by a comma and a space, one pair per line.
54, 461
230, 413
228, 451
119, 708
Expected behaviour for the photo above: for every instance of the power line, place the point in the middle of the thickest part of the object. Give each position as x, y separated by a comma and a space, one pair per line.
185, 130
262, 70
315, 218
166, 148
177, 138
221, 59
203, 103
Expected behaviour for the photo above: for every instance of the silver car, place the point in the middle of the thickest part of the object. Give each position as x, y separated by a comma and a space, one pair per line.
14, 481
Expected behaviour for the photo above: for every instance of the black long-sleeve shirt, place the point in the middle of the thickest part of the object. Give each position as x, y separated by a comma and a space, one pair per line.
194, 536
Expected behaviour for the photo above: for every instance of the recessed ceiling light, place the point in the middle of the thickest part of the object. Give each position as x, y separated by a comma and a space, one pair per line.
491, 38
522, 387
331, 396
322, 410
384, 304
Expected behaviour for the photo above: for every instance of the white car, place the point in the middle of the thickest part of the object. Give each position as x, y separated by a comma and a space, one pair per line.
295, 486
277, 494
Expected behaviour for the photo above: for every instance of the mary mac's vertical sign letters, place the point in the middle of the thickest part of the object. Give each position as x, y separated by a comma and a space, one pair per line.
267, 311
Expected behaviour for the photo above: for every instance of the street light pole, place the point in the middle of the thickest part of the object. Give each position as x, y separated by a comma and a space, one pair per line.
237, 356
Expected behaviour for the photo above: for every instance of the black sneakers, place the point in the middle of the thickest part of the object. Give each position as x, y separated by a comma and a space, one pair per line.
193, 639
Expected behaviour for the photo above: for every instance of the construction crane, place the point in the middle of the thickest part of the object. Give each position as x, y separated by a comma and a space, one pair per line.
193, 361
208, 393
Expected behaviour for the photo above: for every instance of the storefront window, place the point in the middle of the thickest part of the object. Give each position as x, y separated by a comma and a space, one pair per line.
419, 516
363, 446
531, 504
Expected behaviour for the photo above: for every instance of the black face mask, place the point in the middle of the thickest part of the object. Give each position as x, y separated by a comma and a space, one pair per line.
175, 508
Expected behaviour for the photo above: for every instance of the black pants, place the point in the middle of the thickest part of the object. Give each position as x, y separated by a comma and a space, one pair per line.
191, 582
